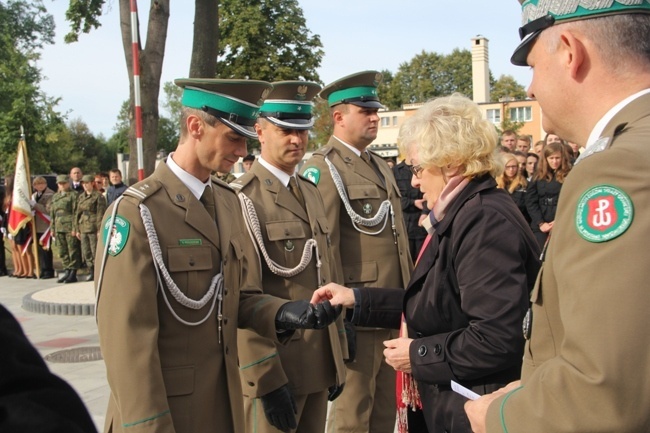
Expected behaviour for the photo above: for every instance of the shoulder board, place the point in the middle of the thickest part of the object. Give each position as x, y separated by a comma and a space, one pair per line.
306, 179
243, 180
221, 184
142, 190
324, 150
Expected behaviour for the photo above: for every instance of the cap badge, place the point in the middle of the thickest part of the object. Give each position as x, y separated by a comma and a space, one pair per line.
302, 93
377, 80
604, 212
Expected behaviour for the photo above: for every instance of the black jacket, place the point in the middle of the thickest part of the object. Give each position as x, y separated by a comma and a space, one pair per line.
465, 302
409, 195
541, 201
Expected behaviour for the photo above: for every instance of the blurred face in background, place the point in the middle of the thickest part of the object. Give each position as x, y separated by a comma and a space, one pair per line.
531, 165
554, 160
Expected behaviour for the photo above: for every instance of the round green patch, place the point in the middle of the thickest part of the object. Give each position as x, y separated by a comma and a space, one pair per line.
313, 174
119, 234
604, 212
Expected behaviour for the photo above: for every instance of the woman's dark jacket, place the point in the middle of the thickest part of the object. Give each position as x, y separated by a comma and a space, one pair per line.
465, 302
541, 201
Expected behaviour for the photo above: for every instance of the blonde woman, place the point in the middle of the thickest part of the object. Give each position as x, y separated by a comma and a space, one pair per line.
468, 294
514, 182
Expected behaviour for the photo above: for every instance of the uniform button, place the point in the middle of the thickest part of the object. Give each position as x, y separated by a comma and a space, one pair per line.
225, 321
286, 232
251, 383
437, 349
422, 350
227, 350
192, 262
225, 292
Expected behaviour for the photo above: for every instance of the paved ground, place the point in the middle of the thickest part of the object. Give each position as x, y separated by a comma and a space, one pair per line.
52, 333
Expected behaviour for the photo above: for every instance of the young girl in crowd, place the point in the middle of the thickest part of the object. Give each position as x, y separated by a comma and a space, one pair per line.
542, 193
514, 182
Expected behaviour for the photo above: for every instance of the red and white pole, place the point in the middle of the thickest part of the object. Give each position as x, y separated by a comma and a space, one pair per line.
135, 46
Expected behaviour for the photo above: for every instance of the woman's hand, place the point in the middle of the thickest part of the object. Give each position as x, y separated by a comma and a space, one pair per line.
397, 354
545, 227
336, 294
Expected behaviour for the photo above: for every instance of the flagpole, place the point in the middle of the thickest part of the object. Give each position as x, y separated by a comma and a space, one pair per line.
32, 222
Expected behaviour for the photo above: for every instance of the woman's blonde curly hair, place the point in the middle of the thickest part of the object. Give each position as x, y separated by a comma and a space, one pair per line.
451, 132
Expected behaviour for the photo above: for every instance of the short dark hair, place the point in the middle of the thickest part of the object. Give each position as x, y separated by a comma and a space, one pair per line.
249, 157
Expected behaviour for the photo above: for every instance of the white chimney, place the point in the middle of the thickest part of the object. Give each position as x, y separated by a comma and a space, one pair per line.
480, 69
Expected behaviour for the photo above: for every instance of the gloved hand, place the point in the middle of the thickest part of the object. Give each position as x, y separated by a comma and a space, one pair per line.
351, 336
303, 315
280, 408
334, 391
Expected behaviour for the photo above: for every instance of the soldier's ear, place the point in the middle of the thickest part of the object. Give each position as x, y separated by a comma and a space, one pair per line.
195, 126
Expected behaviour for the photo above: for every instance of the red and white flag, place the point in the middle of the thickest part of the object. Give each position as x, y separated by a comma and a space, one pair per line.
21, 212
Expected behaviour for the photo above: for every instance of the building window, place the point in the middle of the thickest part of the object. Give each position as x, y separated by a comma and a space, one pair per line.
494, 115
385, 121
521, 114
394, 120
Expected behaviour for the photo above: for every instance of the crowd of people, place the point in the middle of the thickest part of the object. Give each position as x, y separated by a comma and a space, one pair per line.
66, 221
518, 311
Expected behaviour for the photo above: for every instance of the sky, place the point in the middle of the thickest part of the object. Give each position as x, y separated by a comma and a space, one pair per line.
91, 78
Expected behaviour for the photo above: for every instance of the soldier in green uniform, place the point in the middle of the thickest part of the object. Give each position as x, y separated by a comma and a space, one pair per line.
287, 220
369, 241
62, 209
91, 206
225, 177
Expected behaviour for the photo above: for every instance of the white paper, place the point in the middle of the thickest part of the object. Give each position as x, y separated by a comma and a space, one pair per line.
460, 389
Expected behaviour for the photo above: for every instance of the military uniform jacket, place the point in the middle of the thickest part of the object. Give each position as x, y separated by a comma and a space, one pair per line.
90, 209
313, 360
166, 376
586, 365
41, 206
62, 209
376, 261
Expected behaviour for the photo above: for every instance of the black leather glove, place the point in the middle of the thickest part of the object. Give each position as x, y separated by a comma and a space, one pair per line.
303, 315
351, 336
334, 391
280, 408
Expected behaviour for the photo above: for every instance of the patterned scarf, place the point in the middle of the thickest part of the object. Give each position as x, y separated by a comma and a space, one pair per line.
407, 395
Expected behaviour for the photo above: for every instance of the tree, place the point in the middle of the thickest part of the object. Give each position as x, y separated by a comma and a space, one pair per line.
507, 89
323, 125
266, 40
25, 28
83, 16
428, 75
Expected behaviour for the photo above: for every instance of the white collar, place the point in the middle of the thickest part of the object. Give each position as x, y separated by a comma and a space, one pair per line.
281, 175
195, 186
602, 123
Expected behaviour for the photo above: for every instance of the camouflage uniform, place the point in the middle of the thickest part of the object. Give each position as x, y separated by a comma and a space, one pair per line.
88, 218
62, 210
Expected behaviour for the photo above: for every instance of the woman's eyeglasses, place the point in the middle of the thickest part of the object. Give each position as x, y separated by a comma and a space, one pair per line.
511, 167
416, 170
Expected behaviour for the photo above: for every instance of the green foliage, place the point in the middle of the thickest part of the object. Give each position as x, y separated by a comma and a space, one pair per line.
266, 40
172, 103
25, 28
429, 75
83, 16
507, 89
323, 125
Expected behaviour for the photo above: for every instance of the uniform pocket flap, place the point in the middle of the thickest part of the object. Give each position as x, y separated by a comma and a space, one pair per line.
237, 247
360, 192
184, 259
281, 230
178, 380
365, 272
322, 223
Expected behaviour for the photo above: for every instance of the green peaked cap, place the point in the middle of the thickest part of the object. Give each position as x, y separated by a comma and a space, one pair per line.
289, 105
357, 89
236, 103
538, 15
